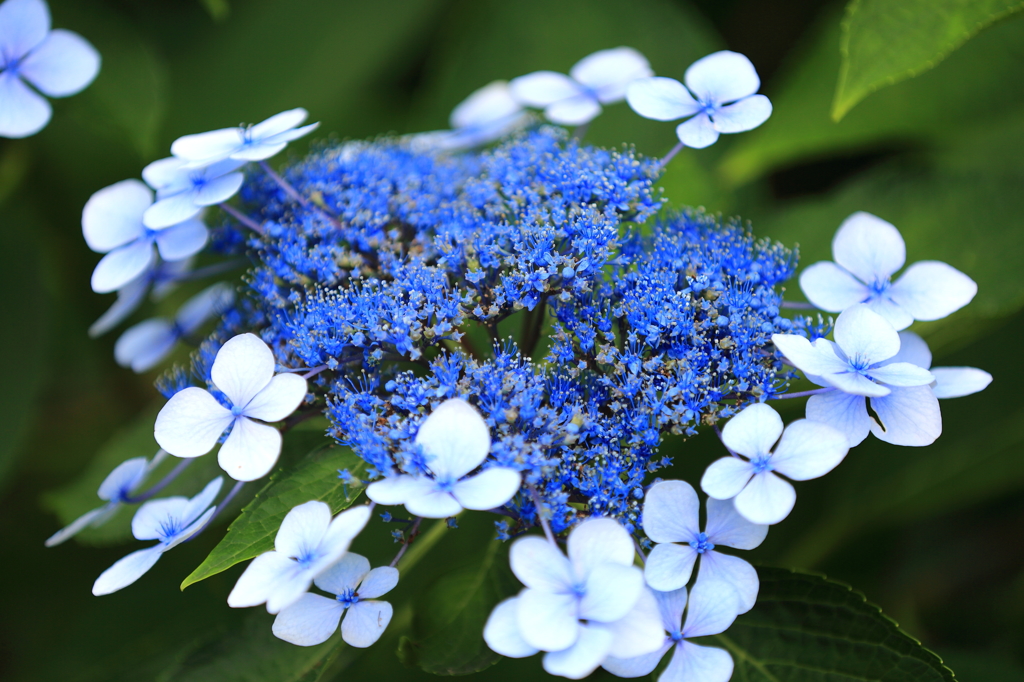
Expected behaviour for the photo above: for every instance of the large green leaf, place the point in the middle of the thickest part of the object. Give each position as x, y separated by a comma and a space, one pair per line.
314, 477
886, 41
808, 628
449, 618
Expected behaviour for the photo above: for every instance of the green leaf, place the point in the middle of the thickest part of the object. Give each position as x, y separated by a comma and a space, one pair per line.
218, 9
314, 477
886, 41
449, 618
808, 628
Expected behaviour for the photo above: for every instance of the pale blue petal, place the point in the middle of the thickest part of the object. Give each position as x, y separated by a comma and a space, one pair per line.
866, 335
78, 525
540, 565
661, 99
378, 582
855, 384
746, 114
345, 575
573, 111
548, 620
640, 631
278, 399
501, 632
199, 504
434, 505
956, 382
767, 499
218, 189
191, 530
24, 112
584, 656
211, 301
598, 541
842, 411
489, 489
671, 512
396, 490
365, 622
243, 367
720, 573
259, 151
64, 64
726, 477
180, 241
215, 145
126, 570
174, 209
142, 346
611, 591
637, 666
340, 534
695, 663
303, 528
869, 247
260, 578
671, 605
930, 290
894, 314
712, 606
122, 265
129, 297
454, 438
907, 416
125, 477
609, 72
113, 216
726, 527
279, 123
285, 136
902, 374
669, 566
698, 132
166, 173
722, 77
191, 422
819, 358
152, 517
828, 287
809, 449
541, 88
493, 102
913, 349
289, 590
753, 431
310, 621
23, 25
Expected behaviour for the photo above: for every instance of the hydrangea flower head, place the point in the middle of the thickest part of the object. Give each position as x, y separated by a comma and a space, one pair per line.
671, 520
868, 251
807, 449
170, 520
192, 421
719, 95
599, 78
182, 190
307, 545
249, 143
314, 618
455, 440
57, 63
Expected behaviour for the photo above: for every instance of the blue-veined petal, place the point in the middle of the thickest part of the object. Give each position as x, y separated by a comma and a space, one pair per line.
62, 65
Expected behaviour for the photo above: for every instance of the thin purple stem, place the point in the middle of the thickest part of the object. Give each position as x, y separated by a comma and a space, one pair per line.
405, 545
284, 184
671, 155
210, 270
802, 394
313, 372
220, 507
580, 131
241, 217
166, 481
543, 521
797, 305
640, 551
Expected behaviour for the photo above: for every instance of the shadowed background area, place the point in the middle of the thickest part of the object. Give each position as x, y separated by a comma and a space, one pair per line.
931, 535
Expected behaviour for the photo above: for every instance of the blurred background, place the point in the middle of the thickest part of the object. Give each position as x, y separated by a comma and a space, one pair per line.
933, 535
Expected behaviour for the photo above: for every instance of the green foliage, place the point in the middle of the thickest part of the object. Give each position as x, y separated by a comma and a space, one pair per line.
449, 617
314, 477
886, 41
808, 628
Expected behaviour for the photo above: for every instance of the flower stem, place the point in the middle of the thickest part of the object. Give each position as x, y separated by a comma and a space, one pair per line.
802, 394
241, 217
671, 155
543, 522
413, 532
166, 481
797, 305
220, 507
290, 190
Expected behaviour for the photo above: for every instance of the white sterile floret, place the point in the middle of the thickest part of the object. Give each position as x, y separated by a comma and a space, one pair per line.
112, 224
144, 345
486, 115
455, 440
116, 488
57, 63
807, 449
192, 421
709, 611
171, 520
244, 143
868, 251
355, 588
182, 191
863, 363
579, 609
600, 78
671, 519
308, 543
719, 95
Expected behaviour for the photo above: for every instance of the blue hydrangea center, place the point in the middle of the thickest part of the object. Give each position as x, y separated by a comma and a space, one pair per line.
237, 410
878, 288
446, 484
170, 527
675, 635
348, 598
306, 558
579, 589
761, 465
198, 180
860, 364
709, 107
702, 544
11, 65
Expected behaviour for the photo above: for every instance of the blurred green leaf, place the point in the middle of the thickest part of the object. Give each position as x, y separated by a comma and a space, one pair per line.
449, 618
218, 9
886, 41
808, 628
314, 477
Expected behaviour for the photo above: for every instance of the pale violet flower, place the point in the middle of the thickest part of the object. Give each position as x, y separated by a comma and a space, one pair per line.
709, 611
862, 364
807, 449
182, 191
719, 95
116, 489
192, 421
245, 143
171, 520
160, 279
486, 115
907, 415
600, 78
671, 519
868, 251
307, 545
455, 440
579, 609
145, 344
112, 224
355, 588
57, 63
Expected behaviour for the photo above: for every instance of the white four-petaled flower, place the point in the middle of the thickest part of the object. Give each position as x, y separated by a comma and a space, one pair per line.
807, 449
57, 63
314, 618
455, 440
599, 78
170, 520
183, 190
308, 543
868, 251
579, 609
719, 95
245, 143
192, 421
671, 516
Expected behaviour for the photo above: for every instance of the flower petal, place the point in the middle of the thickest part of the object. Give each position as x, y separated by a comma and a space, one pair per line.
865, 335
145, 344
260, 578
573, 111
907, 416
243, 367
956, 382
113, 216
809, 449
727, 527
893, 314
722, 77
844, 412
638, 666
218, 189
818, 358
493, 102
455, 438
310, 621
901, 374
609, 72
125, 477
855, 384
692, 662
669, 566
250, 451
62, 65
698, 132
365, 622
541, 88
671, 512
24, 112
343, 529
767, 499
931, 290
489, 489
501, 632
396, 490
547, 620
81, 523
129, 297
661, 99
122, 265
671, 605
180, 241
584, 656
720, 574
828, 287
753, 431
214, 145
302, 529
599, 541
166, 173
150, 519
913, 349
191, 422
213, 300
869, 247
378, 582
611, 591
126, 570
540, 565
746, 114
201, 502
191, 530
435, 504
712, 606
279, 123
345, 575
23, 25
171, 210
726, 477
278, 399
640, 631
